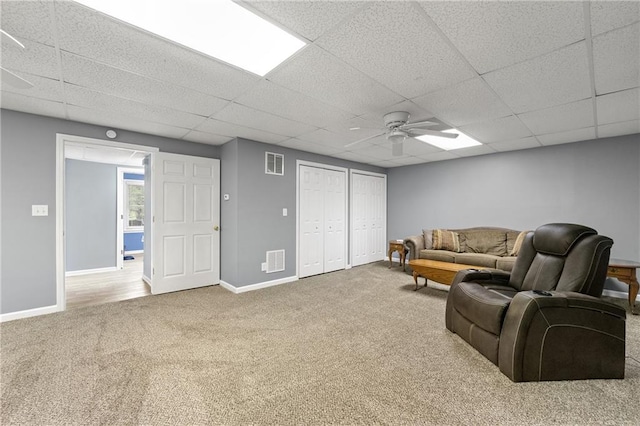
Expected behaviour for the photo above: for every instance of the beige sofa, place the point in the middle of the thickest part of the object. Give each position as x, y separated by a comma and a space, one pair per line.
485, 247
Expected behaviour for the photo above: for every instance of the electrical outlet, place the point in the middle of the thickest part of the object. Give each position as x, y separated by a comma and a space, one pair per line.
39, 210
284, 212
264, 266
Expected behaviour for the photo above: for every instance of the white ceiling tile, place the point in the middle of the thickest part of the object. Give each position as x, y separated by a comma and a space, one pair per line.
353, 156
501, 129
309, 147
234, 130
609, 15
270, 97
31, 105
327, 138
473, 151
568, 136
553, 79
386, 164
18, 17
380, 152
418, 148
124, 121
394, 43
468, 102
616, 55
514, 145
619, 106
79, 96
99, 37
35, 58
246, 116
103, 78
333, 82
619, 129
308, 18
560, 118
43, 88
439, 156
493, 35
206, 138
408, 160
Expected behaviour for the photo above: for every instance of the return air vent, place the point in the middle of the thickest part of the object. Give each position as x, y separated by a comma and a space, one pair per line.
275, 261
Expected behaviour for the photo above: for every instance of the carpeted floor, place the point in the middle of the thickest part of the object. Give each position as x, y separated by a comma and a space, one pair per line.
350, 347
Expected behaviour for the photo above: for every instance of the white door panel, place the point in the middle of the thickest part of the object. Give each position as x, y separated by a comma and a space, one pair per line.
369, 213
186, 209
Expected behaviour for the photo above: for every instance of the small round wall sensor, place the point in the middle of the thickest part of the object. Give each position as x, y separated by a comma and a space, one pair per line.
111, 134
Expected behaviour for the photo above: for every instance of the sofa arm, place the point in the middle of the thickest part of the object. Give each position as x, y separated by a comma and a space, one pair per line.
415, 243
483, 276
562, 336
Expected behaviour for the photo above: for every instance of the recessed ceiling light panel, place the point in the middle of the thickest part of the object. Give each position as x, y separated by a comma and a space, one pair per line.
219, 28
462, 141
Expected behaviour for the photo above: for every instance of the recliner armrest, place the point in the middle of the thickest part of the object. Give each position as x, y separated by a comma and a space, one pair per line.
562, 336
415, 243
482, 276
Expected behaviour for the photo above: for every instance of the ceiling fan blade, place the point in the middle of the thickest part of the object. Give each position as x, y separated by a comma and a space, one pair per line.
420, 132
14, 80
10, 37
396, 149
363, 140
418, 124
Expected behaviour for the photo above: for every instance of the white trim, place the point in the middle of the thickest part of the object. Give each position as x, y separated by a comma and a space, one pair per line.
29, 313
618, 294
90, 271
257, 286
146, 279
266, 162
120, 213
61, 138
133, 252
125, 212
351, 218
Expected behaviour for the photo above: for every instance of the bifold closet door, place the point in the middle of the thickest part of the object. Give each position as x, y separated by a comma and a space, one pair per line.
322, 213
369, 213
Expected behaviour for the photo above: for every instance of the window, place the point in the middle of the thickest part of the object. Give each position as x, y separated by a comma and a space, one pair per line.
133, 205
274, 164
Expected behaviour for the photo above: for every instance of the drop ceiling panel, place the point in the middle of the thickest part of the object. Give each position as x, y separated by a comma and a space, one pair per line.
417, 148
35, 59
515, 145
472, 151
352, 156
407, 160
380, 152
501, 129
245, 116
439, 156
619, 106
327, 138
103, 78
615, 59
206, 138
568, 136
43, 88
493, 35
310, 147
234, 130
609, 15
79, 96
119, 45
553, 79
270, 97
560, 118
17, 18
321, 76
619, 129
120, 120
309, 18
31, 105
394, 43
468, 102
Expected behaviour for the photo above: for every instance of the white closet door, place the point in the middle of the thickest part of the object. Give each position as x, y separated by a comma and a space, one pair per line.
334, 220
311, 187
369, 213
378, 219
359, 221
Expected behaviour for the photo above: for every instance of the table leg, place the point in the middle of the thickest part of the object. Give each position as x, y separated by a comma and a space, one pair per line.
390, 258
415, 280
633, 293
403, 257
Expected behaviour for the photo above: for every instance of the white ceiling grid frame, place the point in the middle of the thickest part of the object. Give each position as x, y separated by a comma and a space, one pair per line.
560, 118
54, 28
592, 75
393, 31
236, 113
211, 125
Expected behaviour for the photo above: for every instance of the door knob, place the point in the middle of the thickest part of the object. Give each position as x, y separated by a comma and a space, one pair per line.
215, 228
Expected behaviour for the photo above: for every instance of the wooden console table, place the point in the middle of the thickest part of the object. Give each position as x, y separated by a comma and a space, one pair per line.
397, 245
625, 271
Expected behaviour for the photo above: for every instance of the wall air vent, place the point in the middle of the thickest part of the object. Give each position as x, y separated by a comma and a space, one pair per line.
275, 261
274, 164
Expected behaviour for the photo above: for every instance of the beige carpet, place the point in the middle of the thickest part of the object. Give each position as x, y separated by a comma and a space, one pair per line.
350, 347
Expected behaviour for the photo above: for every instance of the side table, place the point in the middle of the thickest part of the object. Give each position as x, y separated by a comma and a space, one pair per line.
625, 271
397, 245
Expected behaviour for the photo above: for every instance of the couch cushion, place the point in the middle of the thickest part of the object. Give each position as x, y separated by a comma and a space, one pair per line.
485, 241
483, 307
441, 255
506, 263
446, 240
477, 259
518, 243
428, 238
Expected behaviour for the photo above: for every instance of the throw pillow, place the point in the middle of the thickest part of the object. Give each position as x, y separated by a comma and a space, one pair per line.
446, 240
428, 238
518, 243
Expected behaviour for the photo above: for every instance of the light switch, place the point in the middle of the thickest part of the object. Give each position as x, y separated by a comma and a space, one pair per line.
284, 211
39, 210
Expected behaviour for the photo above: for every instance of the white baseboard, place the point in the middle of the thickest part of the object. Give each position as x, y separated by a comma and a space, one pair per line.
89, 271
29, 313
618, 294
133, 252
256, 286
146, 279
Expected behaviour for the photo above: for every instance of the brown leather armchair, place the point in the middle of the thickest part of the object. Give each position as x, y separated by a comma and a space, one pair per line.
544, 320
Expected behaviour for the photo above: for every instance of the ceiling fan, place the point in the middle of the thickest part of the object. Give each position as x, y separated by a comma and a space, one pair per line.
9, 77
398, 129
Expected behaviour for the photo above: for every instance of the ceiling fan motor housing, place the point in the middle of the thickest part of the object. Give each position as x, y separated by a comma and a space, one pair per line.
396, 119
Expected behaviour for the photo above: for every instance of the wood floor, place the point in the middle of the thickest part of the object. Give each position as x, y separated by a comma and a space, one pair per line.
105, 287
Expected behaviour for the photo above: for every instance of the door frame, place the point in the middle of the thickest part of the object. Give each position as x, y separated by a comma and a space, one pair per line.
61, 139
346, 213
351, 218
122, 170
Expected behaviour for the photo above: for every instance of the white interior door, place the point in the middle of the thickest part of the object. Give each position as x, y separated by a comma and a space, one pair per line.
311, 216
335, 204
186, 214
359, 220
369, 218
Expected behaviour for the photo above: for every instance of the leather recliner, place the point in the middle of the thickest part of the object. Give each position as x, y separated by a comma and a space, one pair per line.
544, 320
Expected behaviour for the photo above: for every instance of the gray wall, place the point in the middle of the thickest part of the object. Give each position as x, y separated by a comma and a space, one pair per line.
28, 176
90, 215
255, 224
594, 183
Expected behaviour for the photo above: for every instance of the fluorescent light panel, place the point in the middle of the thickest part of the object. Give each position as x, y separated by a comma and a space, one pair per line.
462, 141
218, 28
